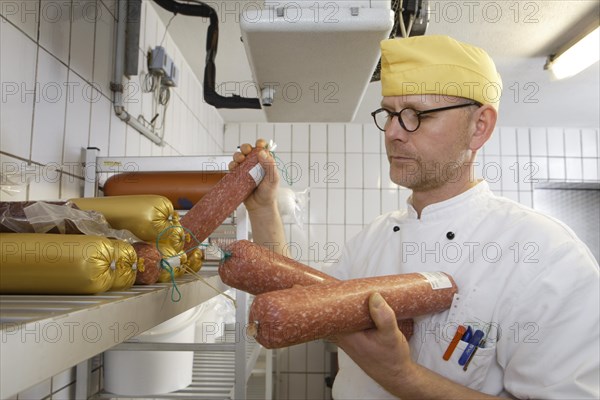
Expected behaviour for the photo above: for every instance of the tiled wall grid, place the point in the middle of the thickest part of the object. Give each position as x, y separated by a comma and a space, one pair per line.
56, 64
346, 169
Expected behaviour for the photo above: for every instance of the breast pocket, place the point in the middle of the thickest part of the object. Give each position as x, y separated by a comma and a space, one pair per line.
463, 311
476, 371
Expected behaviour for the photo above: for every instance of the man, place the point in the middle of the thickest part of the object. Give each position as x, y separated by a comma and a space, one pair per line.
527, 285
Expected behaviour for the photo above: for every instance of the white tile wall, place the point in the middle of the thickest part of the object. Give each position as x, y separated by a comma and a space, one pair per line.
508, 142
523, 141
103, 49
572, 143
336, 138
298, 174
49, 117
354, 134
81, 53
538, 142
354, 206
512, 162
300, 137
23, 14
77, 125
318, 138
590, 143
17, 191
18, 88
55, 30
282, 135
38, 392
53, 54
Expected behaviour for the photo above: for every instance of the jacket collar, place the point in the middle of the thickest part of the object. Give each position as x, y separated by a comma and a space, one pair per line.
462, 204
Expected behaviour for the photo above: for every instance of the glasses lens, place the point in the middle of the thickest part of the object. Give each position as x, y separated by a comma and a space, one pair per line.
410, 119
381, 119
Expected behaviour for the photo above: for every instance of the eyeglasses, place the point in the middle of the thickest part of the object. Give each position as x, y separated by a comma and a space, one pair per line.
409, 119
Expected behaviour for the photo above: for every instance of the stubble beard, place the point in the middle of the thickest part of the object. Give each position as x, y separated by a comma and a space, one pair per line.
425, 175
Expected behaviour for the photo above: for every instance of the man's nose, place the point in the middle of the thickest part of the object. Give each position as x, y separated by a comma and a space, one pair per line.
395, 131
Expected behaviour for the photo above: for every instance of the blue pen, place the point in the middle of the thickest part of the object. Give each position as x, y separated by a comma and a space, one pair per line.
473, 343
468, 334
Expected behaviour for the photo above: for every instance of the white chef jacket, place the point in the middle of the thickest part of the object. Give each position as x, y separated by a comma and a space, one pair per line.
524, 278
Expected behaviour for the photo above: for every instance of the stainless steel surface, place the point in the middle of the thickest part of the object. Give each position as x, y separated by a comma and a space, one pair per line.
44, 335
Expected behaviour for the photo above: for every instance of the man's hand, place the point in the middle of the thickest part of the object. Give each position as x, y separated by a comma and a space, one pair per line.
267, 228
265, 195
382, 352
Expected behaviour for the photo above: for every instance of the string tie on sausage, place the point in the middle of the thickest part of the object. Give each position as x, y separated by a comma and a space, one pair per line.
164, 264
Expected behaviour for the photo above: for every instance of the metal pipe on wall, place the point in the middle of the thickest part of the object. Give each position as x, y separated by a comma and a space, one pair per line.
117, 84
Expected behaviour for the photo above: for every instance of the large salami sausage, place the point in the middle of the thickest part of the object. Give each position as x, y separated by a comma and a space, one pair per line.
256, 269
301, 314
223, 198
148, 267
184, 189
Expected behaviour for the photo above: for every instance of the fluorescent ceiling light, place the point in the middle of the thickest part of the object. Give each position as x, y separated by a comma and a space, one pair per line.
576, 58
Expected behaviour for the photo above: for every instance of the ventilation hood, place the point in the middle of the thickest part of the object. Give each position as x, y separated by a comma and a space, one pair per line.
312, 60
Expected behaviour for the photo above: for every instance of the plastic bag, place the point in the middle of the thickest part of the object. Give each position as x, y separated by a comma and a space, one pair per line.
293, 205
57, 217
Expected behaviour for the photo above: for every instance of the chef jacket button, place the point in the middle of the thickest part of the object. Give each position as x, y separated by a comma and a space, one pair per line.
450, 235
396, 228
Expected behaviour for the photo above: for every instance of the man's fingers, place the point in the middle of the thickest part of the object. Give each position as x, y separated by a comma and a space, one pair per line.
239, 157
261, 143
245, 148
232, 165
382, 314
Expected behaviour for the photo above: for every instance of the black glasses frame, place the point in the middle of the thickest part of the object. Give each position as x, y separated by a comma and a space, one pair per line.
392, 114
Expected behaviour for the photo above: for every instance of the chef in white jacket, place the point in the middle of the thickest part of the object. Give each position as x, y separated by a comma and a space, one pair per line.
528, 287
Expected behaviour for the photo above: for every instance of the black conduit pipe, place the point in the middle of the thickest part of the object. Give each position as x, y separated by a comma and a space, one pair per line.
199, 9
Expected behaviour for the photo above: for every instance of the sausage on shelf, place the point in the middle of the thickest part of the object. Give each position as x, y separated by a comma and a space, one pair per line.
301, 314
148, 267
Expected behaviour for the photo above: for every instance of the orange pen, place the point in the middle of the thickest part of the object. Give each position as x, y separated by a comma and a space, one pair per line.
459, 334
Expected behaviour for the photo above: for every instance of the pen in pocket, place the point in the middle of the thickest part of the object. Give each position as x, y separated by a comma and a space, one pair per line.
460, 331
481, 344
473, 343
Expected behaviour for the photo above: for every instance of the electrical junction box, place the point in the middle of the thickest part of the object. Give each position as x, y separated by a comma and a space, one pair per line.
160, 64
173, 78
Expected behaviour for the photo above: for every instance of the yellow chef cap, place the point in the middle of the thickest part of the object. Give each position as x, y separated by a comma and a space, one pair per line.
439, 65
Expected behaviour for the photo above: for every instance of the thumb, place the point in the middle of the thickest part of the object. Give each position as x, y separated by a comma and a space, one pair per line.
268, 163
382, 314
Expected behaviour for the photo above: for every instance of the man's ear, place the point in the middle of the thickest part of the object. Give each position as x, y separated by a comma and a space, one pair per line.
484, 120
